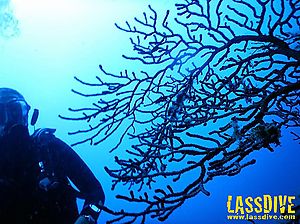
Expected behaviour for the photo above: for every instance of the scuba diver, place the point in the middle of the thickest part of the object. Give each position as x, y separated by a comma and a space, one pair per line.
37, 172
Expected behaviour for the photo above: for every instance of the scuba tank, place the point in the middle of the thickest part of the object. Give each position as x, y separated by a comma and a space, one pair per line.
41, 139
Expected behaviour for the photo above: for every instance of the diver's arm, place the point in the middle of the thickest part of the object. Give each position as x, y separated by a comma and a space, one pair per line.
83, 178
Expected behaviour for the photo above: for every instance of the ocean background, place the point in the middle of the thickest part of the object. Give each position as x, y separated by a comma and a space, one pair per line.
59, 39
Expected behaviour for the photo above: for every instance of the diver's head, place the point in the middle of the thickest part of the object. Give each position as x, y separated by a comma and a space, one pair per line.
13, 110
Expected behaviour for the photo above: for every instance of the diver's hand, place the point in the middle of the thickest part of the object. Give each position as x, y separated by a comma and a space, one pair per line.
85, 220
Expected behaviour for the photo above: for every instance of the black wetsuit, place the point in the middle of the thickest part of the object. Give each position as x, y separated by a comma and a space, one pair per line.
22, 201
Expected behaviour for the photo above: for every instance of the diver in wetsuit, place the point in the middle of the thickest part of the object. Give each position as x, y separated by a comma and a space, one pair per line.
36, 170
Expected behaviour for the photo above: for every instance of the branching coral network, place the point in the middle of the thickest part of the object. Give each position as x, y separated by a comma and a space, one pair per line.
219, 84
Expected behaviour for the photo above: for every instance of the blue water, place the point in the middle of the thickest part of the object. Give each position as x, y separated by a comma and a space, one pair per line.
58, 39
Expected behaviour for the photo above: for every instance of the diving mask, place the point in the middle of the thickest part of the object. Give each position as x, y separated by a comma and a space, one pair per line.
12, 113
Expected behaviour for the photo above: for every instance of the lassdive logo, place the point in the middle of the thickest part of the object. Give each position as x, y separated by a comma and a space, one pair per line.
265, 207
